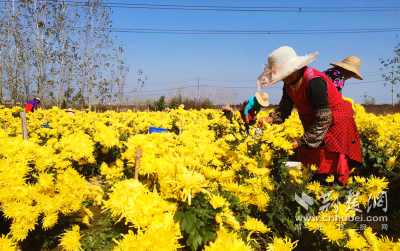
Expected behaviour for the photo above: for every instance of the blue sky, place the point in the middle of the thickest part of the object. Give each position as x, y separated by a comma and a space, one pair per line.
238, 59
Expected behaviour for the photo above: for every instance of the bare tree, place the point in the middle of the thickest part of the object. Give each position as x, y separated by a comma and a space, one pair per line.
393, 65
45, 44
141, 81
96, 42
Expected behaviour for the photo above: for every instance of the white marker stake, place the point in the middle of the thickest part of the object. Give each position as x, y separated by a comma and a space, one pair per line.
24, 127
138, 156
45, 116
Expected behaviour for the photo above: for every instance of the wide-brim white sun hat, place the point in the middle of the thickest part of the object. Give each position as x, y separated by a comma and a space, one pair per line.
281, 63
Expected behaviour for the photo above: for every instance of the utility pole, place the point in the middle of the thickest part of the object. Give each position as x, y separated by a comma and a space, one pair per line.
198, 88
392, 90
365, 96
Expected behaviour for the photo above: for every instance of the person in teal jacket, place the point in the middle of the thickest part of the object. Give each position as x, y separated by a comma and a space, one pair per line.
252, 107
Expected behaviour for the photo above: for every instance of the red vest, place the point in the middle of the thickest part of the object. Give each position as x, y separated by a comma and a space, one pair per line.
342, 135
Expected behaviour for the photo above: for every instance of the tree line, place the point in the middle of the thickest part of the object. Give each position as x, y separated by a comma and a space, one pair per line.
63, 52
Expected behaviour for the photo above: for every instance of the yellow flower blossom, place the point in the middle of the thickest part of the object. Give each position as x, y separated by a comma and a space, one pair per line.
282, 244
255, 225
218, 201
70, 239
330, 179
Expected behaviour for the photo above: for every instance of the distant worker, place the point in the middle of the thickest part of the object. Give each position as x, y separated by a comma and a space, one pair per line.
348, 68
228, 112
31, 106
183, 107
70, 111
252, 107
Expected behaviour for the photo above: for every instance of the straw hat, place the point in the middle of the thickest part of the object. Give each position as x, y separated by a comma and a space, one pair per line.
351, 63
227, 107
70, 110
167, 109
262, 98
182, 106
281, 63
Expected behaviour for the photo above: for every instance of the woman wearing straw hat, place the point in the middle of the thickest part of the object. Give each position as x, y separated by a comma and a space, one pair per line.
228, 112
252, 107
330, 140
70, 111
348, 68
31, 105
183, 107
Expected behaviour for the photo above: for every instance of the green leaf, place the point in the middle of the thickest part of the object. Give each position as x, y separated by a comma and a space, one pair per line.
96, 244
194, 240
281, 218
109, 246
188, 222
178, 216
103, 236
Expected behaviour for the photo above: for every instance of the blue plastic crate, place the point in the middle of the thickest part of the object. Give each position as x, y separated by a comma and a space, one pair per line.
258, 133
157, 130
46, 126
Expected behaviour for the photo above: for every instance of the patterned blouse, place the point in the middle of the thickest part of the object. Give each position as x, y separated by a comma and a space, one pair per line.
336, 77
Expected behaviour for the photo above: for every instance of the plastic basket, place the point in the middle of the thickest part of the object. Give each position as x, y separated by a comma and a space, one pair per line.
257, 133
293, 165
157, 130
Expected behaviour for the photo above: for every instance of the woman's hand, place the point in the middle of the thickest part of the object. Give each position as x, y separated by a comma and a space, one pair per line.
295, 144
268, 120
247, 120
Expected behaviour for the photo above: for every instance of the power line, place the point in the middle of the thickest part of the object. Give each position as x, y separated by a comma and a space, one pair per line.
235, 32
375, 74
172, 82
254, 9
253, 80
227, 8
248, 32
365, 82
237, 87
171, 89
227, 80
226, 87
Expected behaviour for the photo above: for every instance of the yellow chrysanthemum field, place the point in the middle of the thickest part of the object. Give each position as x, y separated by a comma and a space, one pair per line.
210, 187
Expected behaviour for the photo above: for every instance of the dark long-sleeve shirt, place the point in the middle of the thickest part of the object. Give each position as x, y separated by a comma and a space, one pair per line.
229, 115
318, 96
316, 93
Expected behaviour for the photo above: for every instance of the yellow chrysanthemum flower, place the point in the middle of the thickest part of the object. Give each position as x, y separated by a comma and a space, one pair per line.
356, 241
255, 225
330, 179
70, 239
218, 201
282, 244
7, 244
227, 241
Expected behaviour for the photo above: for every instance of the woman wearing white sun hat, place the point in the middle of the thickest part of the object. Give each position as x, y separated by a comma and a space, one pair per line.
330, 140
